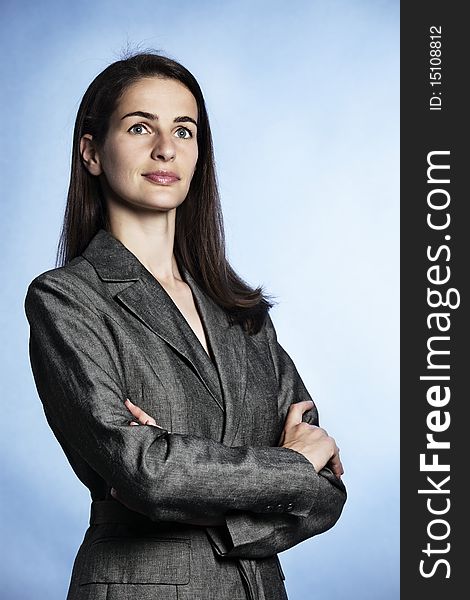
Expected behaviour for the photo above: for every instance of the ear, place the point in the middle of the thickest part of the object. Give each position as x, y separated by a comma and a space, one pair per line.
89, 154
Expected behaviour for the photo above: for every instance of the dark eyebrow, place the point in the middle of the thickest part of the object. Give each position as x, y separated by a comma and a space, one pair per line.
152, 117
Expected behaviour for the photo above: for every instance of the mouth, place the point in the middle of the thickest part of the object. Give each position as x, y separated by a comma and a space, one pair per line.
161, 177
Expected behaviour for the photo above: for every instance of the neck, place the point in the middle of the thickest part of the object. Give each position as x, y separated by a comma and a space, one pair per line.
150, 237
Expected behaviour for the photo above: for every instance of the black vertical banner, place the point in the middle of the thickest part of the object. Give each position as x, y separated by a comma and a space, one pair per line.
435, 433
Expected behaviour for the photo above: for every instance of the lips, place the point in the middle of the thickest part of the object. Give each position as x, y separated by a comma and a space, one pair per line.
162, 177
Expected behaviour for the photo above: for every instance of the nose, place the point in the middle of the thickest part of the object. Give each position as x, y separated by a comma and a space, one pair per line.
164, 147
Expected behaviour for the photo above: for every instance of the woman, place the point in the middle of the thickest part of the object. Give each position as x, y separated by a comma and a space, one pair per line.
159, 368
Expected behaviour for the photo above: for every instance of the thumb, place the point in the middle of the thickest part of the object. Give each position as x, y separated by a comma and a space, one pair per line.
294, 417
296, 410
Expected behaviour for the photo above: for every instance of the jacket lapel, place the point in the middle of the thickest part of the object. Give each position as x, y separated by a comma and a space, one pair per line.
229, 349
148, 301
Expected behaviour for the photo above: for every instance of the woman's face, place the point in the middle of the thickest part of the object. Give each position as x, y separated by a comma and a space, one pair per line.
152, 130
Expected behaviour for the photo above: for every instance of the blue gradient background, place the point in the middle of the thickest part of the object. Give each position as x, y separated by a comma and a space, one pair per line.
303, 102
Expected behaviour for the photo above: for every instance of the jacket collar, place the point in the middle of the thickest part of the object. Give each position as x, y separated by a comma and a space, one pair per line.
148, 301
112, 260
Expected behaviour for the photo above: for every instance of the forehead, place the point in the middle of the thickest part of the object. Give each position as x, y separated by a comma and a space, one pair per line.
160, 96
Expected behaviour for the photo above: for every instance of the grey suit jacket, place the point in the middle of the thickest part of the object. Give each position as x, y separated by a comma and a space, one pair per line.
102, 329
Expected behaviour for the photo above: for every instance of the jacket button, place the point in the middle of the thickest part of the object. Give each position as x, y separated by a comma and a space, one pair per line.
289, 506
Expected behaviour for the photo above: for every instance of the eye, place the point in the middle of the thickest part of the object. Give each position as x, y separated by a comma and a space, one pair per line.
184, 131
140, 127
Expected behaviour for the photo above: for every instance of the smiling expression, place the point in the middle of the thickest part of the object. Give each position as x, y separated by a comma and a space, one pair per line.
153, 129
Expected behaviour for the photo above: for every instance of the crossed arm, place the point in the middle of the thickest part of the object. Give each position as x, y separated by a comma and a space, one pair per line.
254, 535
311, 441
169, 476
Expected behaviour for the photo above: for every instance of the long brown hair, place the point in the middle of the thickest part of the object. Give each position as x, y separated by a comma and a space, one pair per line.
199, 232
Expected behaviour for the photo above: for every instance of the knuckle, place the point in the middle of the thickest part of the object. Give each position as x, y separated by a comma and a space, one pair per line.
321, 433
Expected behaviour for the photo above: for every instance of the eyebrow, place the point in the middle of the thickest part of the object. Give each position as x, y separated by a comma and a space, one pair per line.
152, 117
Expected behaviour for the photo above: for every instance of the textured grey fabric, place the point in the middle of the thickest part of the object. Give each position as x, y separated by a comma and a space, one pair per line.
102, 329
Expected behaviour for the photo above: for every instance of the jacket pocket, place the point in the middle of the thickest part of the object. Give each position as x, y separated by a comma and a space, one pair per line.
137, 560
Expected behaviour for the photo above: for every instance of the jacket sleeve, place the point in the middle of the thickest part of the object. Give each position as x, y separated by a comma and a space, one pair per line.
250, 535
165, 476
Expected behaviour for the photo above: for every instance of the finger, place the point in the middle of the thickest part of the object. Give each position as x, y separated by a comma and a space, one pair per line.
134, 409
336, 466
296, 410
143, 417
140, 414
147, 423
151, 422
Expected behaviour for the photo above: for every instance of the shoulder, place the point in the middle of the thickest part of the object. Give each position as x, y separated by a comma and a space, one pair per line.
78, 273
76, 269
67, 284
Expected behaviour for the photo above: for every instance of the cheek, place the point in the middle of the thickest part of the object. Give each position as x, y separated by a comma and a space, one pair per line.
119, 166
192, 160
118, 160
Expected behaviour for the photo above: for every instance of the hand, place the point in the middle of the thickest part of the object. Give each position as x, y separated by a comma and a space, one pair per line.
311, 441
142, 417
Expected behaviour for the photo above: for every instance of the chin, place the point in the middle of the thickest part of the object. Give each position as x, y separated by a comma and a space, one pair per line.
164, 204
